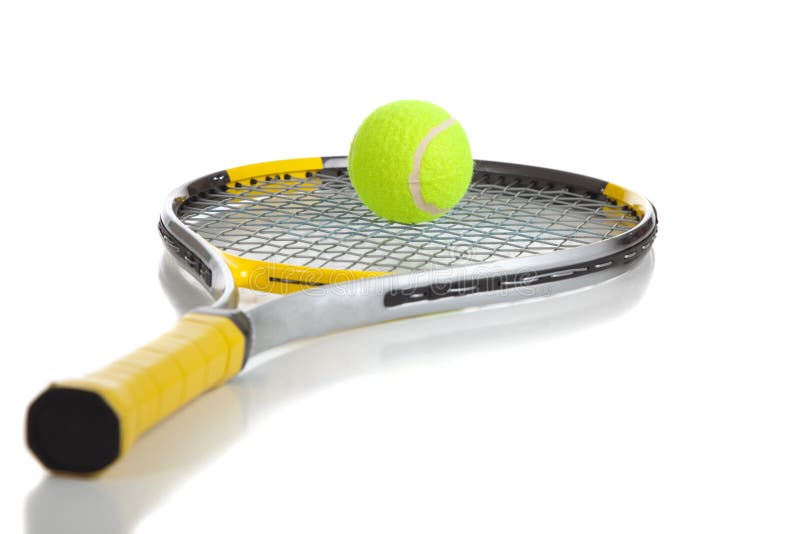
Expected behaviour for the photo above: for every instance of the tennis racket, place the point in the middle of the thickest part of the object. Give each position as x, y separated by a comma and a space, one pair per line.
297, 227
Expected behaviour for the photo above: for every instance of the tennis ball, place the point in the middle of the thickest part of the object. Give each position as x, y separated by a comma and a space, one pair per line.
410, 162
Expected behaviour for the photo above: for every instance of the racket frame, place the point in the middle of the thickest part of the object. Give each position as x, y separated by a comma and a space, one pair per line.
319, 309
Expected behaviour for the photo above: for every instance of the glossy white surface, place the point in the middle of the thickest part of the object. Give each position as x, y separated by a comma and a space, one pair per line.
663, 401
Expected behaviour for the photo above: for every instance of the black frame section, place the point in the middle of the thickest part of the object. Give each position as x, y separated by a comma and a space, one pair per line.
399, 297
200, 269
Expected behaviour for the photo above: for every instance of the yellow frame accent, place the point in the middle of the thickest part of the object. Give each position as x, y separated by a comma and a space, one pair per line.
286, 166
635, 201
270, 277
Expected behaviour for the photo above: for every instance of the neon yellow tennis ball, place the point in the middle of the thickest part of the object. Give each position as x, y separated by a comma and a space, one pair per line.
410, 161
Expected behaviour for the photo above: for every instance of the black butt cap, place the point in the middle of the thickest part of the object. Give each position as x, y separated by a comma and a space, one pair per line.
73, 430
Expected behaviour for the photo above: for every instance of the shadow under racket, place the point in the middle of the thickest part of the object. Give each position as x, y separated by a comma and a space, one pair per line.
167, 455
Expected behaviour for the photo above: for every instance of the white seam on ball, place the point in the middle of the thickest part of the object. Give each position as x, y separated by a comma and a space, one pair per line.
413, 178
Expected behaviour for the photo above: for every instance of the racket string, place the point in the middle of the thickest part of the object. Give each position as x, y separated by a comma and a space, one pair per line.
319, 221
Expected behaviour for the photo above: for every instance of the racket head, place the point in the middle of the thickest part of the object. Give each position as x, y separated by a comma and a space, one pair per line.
295, 225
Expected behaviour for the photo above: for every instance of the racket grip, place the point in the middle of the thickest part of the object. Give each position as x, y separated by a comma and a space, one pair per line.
85, 424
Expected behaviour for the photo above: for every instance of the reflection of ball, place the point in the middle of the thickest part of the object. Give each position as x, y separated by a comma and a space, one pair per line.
410, 161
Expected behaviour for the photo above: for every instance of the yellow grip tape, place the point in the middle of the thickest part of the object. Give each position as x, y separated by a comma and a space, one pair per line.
199, 353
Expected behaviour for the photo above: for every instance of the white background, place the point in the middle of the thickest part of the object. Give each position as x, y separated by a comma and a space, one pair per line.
664, 401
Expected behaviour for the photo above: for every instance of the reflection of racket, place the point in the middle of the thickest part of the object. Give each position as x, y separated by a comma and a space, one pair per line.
298, 227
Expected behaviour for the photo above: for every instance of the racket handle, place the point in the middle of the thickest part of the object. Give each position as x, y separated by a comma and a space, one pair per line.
83, 425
